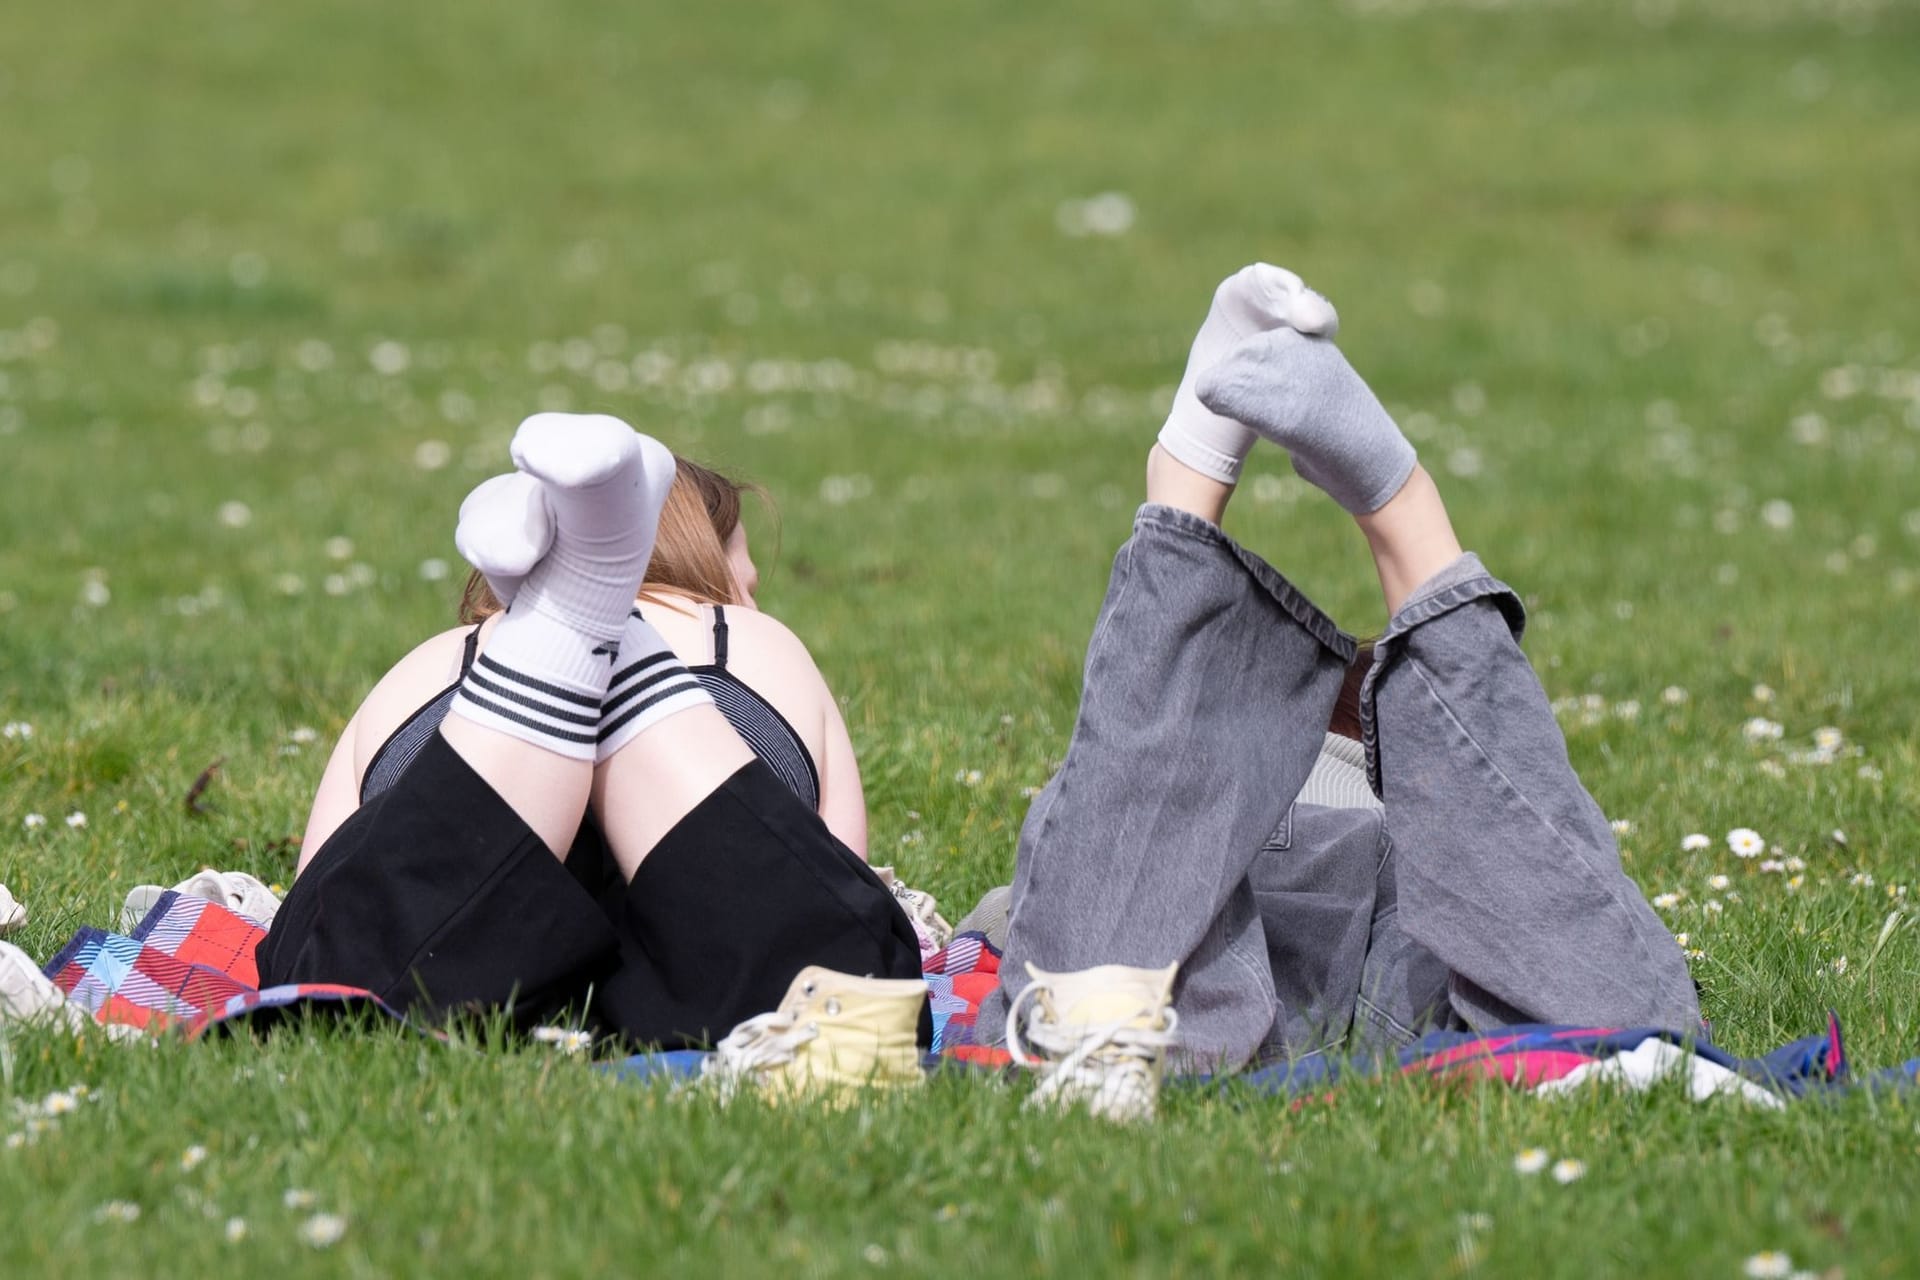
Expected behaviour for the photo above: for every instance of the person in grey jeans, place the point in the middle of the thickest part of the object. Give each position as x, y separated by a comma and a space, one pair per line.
1485, 887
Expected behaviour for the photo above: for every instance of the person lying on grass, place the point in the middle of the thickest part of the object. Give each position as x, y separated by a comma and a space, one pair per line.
552, 812
1174, 890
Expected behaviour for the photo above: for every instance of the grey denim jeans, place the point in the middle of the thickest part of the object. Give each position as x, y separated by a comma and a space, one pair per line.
1487, 891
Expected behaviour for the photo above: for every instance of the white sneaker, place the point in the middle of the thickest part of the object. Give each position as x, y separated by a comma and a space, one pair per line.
1102, 1036
832, 1034
13, 915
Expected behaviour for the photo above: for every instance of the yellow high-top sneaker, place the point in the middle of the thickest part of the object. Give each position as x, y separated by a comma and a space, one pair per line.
1102, 1034
833, 1034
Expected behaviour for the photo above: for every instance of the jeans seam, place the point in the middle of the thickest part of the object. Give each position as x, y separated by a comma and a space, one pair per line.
1519, 795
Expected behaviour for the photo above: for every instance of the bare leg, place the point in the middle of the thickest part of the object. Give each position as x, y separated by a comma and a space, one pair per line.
645, 789
1411, 538
1172, 483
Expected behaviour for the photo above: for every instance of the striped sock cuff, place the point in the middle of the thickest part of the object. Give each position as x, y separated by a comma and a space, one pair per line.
644, 692
504, 698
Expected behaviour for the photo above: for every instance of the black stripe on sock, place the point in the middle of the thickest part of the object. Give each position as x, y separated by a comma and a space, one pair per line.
651, 660
638, 687
508, 713
474, 678
554, 690
608, 730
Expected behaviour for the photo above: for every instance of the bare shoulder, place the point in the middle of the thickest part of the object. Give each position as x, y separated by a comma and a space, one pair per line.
764, 640
428, 668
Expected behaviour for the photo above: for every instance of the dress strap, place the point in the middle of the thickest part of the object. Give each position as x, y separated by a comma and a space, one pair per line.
473, 647
720, 637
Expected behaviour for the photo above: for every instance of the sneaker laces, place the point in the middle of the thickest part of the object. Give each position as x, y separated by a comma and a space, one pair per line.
1113, 1066
757, 1045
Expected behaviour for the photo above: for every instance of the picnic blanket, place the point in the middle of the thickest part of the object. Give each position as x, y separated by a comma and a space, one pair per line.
187, 967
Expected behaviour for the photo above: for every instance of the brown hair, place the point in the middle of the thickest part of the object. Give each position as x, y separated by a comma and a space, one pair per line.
690, 553
1346, 707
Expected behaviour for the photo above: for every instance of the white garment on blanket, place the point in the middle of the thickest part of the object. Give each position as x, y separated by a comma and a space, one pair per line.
12, 914
1652, 1061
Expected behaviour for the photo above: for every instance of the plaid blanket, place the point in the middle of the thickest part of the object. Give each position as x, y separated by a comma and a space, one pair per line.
188, 966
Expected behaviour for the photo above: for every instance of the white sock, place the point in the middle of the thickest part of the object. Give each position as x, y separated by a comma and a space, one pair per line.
546, 668
1301, 393
1251, 300
650, 685
504, 530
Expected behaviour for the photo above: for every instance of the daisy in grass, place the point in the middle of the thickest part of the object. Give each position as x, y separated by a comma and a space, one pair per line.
1745, 842
1695, 843
1567, 1171
1771, 1265
323, 1230
1530, 1161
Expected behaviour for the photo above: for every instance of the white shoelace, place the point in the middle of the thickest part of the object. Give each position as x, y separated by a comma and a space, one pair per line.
761, 1042
1112, 1066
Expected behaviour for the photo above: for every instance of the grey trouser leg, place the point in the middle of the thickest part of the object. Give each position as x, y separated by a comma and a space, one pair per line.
1209, 682
1505, 869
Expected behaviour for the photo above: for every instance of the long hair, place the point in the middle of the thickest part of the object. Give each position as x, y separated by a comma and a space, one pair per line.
689, 553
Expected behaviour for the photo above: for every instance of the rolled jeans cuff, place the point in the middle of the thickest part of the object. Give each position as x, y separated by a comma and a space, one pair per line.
1153, 517
1460, 583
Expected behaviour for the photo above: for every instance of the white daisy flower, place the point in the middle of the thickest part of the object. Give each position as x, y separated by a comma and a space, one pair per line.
564, 1039
1623, 826
1761, 729
1530, 1161
1745, 842
1566, 1171
1763, 693
76, 819
1861, 880
16, 729
236, 1230
323, 1230
1838, 965
1794, 864
1718, 882
1771, 1265
1771, 866
117, 1211
191, 1158
1828, 738
1712, 906
1673, 695
1695, 843
297, 1198
1682, 939
1668, 901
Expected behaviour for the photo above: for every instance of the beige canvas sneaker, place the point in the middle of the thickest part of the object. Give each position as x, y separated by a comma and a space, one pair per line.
1101, 1036
832, 1035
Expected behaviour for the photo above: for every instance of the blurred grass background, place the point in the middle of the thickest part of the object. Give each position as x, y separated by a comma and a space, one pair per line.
277, 281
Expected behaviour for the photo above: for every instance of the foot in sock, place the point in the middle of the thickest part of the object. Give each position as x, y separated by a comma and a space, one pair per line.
1301, 393
649, 684
546, 668
505, 530
1250, 301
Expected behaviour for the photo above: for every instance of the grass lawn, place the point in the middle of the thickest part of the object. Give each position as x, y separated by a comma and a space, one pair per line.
277, 281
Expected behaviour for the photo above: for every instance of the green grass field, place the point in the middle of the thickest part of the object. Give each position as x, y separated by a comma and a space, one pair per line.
277, 281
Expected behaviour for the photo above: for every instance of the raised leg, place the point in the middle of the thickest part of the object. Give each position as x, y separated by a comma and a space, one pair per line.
1506, 870
1209, 681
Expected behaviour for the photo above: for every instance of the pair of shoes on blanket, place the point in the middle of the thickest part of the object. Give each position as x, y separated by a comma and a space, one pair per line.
235, 890
1097, 1038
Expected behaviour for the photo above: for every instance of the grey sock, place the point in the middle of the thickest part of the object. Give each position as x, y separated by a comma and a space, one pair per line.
1301, 393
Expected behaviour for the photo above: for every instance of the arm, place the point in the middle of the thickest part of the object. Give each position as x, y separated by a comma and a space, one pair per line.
843, 803
337, 798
